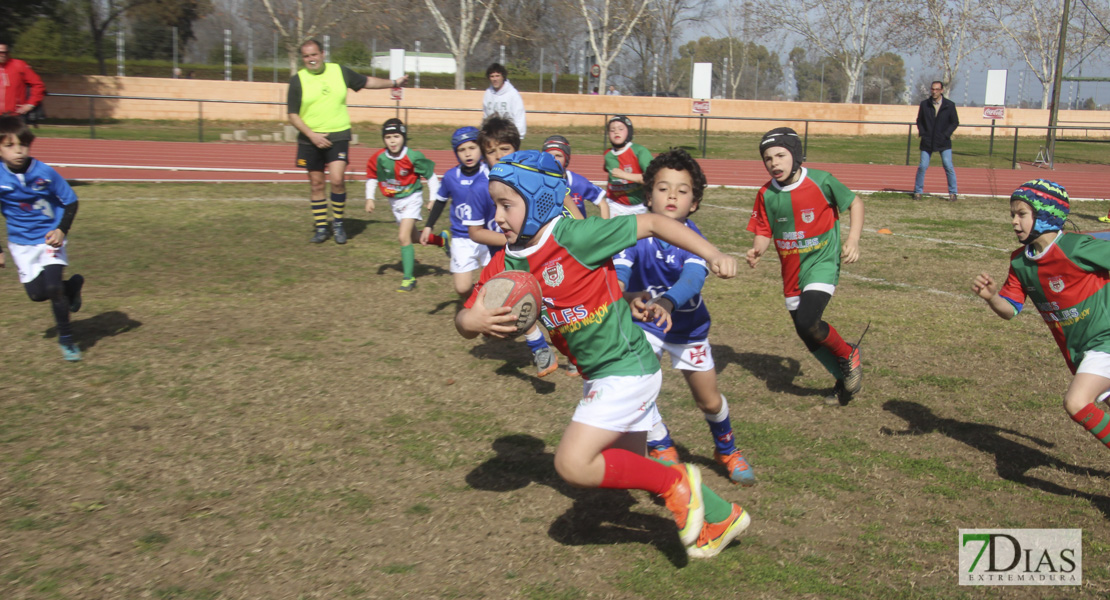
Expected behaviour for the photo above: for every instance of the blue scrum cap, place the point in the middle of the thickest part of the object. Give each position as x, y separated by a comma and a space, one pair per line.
539, 180
463, 135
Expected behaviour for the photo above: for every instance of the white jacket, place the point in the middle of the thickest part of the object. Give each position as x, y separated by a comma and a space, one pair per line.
507, 103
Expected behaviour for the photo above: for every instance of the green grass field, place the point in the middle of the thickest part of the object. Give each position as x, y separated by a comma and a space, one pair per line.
874, 149
259, 417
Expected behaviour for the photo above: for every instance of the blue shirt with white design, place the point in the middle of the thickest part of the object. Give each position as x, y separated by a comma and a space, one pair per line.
455, 186
655, 266
32, 202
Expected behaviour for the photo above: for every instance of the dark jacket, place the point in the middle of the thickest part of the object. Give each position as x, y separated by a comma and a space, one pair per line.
935, 128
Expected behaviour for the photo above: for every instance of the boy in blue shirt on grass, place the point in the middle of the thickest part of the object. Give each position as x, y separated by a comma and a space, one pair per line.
39, 207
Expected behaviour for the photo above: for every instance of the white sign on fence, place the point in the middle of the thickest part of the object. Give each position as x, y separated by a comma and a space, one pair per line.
996, 88
701, 81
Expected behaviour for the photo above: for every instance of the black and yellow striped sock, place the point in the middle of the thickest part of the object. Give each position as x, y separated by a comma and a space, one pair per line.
338, 202
319, 212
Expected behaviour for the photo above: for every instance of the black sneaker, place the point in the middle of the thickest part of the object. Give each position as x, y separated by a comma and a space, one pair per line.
338, 233
74, 284
320, 236
852, 368
839, 395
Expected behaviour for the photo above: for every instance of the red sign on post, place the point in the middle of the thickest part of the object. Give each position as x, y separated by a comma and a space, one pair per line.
595, 71
701, 107
994, 112
397, 94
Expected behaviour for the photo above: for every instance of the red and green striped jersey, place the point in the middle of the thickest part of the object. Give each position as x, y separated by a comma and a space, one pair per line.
1067, 284
399, 176
583, 307
803, 222
631, 158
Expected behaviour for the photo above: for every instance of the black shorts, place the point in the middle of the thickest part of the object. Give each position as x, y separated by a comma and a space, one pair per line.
311, 158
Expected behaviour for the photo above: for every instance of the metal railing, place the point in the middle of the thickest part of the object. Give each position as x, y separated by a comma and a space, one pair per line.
702, 132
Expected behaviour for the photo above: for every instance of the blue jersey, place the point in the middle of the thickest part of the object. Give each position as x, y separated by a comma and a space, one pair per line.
581, 189
455, 187
654, 266
32, 202
479, 207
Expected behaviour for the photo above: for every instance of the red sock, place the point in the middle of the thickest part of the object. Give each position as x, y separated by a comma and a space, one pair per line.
1095, 421
435, 240
625, 470
836, 344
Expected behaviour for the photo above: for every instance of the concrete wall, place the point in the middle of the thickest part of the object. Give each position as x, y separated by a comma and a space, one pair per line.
458, 107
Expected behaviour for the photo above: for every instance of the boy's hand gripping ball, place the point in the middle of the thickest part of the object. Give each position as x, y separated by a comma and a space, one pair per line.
519, 291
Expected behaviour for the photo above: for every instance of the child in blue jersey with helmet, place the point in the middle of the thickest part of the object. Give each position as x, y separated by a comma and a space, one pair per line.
583, 308
670, 279
39, 207
1065, 275
579, 188
465, 254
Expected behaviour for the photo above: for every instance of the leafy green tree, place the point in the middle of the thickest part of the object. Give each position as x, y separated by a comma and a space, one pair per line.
17, 15
884, 79
52, 37
352, 53
152, 27
753, 72
216, 55
818, 80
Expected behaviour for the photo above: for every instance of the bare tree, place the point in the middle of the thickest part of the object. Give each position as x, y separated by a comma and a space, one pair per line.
655, 35
1034, 27
609, 23
848, 31
301, 20
462, 39
949, 32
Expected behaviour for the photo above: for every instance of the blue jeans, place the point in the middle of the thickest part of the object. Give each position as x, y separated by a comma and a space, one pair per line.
949, 171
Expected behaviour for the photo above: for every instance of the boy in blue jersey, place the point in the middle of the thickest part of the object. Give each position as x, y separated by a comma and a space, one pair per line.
580, 188
465, 254
39, 207
497, 138
663, 284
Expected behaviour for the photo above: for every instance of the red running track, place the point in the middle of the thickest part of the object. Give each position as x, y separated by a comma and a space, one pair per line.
275, 162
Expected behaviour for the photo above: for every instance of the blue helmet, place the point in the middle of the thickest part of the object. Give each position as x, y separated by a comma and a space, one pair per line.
463, 135
539, 180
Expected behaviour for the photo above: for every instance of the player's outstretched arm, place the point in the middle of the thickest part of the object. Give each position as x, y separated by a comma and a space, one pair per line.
674, 232
850, 252
497, 322
758, 249
984, 286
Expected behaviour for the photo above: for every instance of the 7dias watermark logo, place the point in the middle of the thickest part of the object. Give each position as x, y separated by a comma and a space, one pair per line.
1021, 557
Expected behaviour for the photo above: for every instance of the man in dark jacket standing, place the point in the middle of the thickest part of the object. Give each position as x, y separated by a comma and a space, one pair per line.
936, 121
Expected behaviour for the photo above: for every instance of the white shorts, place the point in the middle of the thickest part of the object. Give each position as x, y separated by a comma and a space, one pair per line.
29, 260
616, 210
467, 255
793, 302
695, 356
407, 207
1096, 363
620, 403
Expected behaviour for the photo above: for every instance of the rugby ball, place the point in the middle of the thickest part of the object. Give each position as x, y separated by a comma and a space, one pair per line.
519, 291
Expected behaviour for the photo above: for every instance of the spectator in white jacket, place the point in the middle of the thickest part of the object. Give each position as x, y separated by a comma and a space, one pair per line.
503, 99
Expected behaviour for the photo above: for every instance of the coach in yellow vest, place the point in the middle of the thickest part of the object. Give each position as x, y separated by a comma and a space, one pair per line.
317, 106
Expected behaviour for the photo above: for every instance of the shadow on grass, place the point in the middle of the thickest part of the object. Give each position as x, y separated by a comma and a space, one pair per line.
1012, 459
89, 331
517, 357
778, 372
418, 270
597, 517
458, 302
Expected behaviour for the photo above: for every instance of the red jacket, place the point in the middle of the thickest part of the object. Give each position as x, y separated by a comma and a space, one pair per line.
15, 77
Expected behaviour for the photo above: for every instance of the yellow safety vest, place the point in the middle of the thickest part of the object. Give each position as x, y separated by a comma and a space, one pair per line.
324, 99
